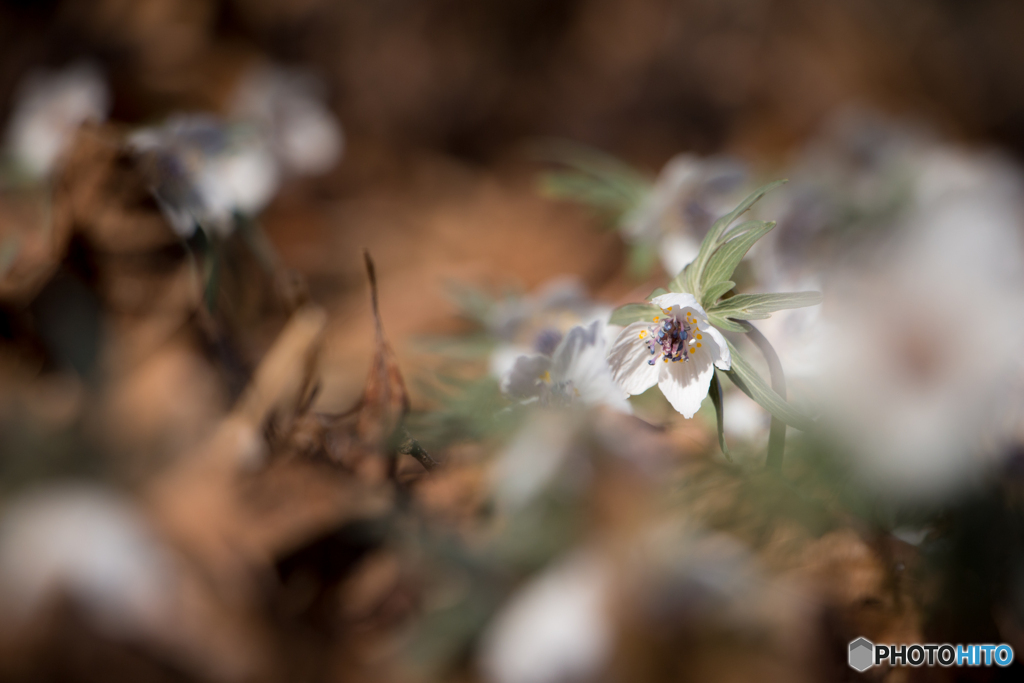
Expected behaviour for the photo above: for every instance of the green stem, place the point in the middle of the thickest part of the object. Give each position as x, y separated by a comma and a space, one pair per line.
777, 431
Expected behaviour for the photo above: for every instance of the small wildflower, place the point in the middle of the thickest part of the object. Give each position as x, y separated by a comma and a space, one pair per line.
285, 105
687, 197
49, 108
575, 372
678, 351
203, 172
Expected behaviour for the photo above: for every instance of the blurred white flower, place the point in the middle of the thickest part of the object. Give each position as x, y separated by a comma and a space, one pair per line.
535, 324
49, 106
203, 172
689, 195
555, 629
745, 419
677, 350
934, 331
286, 106
576, 371
85, 544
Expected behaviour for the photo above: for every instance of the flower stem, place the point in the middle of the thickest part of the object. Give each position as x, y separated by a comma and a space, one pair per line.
777, 431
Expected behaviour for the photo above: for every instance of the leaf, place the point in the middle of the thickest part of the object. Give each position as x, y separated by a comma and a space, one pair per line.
723, 323
725, 221
657, 292
715, 292
760, 306
744, 376
716, 398
385, 401
594, 178
585, 189
714, 237
631, 313
724, 261
691, 278
681, 282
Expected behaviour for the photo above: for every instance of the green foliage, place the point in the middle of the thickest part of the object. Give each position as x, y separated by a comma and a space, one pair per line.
744, 376
631, 313
692, 279
658, 291
719, 290
593, 178
723, 261
761, 306
723, 323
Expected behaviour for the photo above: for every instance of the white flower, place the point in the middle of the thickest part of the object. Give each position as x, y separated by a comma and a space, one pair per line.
49, 108
933, 330
304, 134
536, 323
204, 172
677, 350
556, 628
576, 370
94, 548
689, 195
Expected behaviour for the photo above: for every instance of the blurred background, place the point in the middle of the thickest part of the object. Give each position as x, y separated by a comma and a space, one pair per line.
217, 463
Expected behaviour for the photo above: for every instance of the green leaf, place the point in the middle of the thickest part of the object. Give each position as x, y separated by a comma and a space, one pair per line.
723, 323
760, 306
744, 376
713, 238
715, 292
725, 221
681, 282
631, 313
724, 261
716, 398
593, 178
657, 292
596, 192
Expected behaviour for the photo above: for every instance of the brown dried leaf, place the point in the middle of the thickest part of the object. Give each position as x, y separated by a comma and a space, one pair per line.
385, 400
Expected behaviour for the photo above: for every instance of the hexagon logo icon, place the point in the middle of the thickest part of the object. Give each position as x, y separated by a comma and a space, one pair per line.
862, 652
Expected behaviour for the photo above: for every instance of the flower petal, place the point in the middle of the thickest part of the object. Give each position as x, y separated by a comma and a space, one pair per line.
580, 359
628, 360
524, 379
686, 383
680, 300
721, 354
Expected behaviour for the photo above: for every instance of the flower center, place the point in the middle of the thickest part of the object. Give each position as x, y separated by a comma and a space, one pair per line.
554, 393
673, 339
